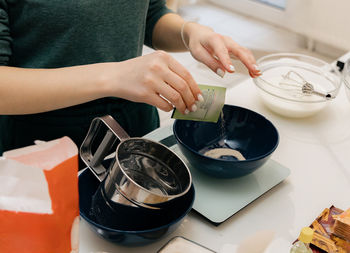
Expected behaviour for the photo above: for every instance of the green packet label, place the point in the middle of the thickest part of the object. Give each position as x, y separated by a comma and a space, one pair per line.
209, 109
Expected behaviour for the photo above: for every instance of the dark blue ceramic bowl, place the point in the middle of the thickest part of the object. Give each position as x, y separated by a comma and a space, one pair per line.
241, 129
132, 231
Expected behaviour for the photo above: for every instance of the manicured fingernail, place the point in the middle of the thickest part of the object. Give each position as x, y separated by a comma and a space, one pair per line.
200, 98
256, 67
194, 108
187, 111
220, 72
232, 68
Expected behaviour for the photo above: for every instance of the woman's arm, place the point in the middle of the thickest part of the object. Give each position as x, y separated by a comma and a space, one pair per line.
24, 91
157, 79
166, 33
205, 45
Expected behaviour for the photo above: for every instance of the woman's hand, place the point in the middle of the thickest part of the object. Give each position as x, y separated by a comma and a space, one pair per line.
156, 79
216, 51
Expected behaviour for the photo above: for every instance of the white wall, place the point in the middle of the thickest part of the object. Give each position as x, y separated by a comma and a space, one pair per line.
322, 20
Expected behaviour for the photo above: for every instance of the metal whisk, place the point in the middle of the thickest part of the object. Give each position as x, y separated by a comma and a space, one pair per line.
295, 82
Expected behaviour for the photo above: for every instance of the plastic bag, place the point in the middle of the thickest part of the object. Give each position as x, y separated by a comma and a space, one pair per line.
39, 205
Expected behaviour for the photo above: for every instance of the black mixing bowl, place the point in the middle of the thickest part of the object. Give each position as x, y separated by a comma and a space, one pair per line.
129, 225
240, 129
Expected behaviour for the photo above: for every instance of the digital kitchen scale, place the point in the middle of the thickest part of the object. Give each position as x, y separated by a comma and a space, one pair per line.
218, 199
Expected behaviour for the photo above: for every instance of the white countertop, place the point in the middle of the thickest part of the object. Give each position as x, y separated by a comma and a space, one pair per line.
315, 149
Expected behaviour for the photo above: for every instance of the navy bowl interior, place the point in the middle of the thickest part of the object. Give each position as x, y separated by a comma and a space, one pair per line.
131, 231
241, 129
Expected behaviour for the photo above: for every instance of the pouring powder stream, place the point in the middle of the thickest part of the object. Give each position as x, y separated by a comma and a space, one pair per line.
218, 153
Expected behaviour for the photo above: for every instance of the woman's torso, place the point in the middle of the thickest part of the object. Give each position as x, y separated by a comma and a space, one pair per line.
61, 33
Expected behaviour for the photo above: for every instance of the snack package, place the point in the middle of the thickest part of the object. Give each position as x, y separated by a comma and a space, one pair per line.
324, 239
341, 226
39, 205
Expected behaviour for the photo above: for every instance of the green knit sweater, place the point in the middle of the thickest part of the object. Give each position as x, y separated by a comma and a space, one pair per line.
60, 33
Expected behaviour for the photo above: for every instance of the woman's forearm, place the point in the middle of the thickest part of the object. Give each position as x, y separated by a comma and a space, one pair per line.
156, 79
166, 33
25, 91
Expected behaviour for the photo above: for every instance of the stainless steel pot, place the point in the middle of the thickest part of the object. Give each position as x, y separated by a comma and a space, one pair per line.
143, 172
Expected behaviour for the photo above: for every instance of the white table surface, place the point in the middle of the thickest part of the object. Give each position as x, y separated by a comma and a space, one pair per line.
317, 151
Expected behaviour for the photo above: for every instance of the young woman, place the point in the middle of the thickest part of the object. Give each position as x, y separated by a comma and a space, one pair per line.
64, 63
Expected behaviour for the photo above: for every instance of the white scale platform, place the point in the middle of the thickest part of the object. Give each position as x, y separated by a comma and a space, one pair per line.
218, 199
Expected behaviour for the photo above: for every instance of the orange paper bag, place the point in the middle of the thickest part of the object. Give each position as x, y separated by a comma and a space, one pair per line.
39, 205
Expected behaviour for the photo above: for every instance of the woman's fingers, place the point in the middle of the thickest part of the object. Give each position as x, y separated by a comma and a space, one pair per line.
157, 101
173, 96
217, 46
157, 79
216, 51
182, 88
173, 82
244, 55
187, 81
201, 54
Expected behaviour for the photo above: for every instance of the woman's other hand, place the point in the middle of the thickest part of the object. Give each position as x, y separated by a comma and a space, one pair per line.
215, 50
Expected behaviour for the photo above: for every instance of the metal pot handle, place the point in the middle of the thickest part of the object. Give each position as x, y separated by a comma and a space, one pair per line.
94, 161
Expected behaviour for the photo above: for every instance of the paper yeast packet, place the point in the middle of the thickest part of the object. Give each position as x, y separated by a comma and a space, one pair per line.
209, 109
39, 205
